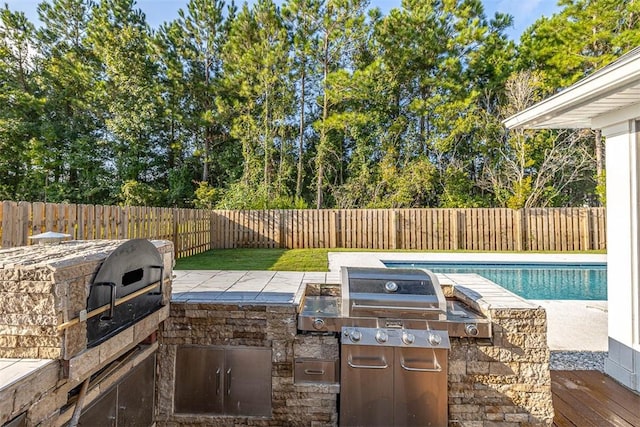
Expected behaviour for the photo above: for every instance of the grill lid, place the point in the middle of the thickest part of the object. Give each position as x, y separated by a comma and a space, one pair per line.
395, 293
132, 268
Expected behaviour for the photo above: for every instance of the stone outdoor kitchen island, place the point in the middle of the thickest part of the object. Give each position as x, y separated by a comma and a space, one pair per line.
503, 381
228, 350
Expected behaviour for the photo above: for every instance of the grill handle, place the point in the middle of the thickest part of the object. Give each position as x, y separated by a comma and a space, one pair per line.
436, 366
358, 366
112, 303
356, 306
161, 267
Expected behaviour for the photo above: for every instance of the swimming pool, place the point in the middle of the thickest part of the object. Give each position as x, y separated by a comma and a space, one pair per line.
530, 281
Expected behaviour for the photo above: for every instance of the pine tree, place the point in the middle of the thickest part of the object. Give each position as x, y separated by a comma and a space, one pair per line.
120, 39
22, 175
74, 160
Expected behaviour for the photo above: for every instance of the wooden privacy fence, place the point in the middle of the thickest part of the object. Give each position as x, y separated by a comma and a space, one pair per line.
189, 229
552, 229
194, 231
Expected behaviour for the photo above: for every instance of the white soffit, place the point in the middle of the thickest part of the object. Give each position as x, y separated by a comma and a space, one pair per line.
614, 87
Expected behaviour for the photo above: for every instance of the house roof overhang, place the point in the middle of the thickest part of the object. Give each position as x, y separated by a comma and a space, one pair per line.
613, 87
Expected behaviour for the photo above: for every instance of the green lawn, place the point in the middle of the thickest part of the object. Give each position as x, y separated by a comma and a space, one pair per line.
257, 259
269, 259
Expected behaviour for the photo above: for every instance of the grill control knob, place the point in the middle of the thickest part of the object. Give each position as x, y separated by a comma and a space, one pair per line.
408, 338
318, 323
435, 339
471, 329
382, 336
391, 286
355, 335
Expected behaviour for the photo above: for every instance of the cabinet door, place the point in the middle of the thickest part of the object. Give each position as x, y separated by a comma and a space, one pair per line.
199, 380
247, 378
102, 412
136, 395
366, 386
420, 381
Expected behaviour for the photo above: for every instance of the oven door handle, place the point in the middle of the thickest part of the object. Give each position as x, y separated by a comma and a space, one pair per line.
436, 366
358, 366
112, 299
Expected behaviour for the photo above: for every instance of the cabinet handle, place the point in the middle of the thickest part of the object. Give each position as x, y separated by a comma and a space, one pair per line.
228, 381
436, 366
384, 364
218, 381
314, 371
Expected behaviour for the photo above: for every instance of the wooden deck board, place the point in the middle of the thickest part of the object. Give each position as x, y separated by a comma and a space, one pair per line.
584, 398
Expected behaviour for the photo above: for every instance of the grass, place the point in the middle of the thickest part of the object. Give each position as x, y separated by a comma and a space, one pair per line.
257, 259
272, 259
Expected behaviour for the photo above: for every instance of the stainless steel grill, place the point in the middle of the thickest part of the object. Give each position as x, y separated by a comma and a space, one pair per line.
394, 327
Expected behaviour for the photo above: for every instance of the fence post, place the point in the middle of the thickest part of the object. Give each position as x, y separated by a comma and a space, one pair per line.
518, 224
585, 213
212, 229
394, 229
175, 233
455, 228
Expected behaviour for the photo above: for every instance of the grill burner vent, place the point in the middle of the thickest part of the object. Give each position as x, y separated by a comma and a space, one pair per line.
127, 287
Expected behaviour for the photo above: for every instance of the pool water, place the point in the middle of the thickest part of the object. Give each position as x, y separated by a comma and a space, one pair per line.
532, 281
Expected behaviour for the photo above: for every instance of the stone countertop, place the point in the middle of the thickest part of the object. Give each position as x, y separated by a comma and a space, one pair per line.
13, 370
252, 287
20, 380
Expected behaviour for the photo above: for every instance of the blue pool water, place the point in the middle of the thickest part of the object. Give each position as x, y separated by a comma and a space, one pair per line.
532, 281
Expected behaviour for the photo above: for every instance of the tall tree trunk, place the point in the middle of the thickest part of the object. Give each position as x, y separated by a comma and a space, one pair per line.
301, 134
267, 144
208, 133
323, 132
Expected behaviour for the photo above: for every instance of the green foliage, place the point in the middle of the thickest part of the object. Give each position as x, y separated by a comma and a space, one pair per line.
134, 193
206, 196
460, 191
243, 196
601, 189
311, 103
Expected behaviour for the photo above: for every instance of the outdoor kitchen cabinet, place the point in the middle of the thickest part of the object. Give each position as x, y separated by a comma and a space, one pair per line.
223, 380
130, 403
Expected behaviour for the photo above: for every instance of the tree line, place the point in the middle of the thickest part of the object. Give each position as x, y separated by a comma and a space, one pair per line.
310, 103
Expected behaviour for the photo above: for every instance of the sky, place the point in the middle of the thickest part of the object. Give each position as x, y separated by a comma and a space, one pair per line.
524, 12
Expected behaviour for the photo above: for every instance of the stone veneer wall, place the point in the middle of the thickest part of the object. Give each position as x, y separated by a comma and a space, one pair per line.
503, 382
42, 395
44, 286
270, 326
507, 382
